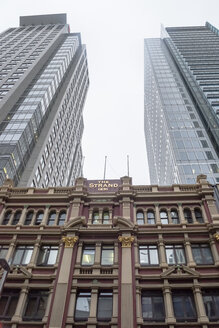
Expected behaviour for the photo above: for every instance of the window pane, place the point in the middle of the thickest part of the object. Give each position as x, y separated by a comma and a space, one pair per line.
105, 217
52, 256
105, 305
107, 255
82, 309
88, 255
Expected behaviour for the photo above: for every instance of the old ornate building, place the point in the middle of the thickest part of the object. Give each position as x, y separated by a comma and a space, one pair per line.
110, 254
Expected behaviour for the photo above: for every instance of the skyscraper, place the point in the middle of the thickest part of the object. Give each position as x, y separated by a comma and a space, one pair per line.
182, 104
43, 85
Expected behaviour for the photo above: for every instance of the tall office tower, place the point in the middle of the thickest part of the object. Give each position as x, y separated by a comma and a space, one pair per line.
43, 85
182, 104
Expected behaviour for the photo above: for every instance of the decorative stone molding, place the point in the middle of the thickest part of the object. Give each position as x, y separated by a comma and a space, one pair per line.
216, 236
69, 241
126, 241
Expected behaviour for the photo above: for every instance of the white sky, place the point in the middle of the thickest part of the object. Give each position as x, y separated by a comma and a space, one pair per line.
113, 31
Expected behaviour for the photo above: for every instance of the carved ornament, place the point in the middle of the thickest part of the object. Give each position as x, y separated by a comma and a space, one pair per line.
69, 241
216, 236
126, 241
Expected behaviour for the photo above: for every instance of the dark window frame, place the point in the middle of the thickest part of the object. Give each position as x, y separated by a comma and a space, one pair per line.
90, 247
184, 295
148, 248
37, 295
174, 248
82, 294
152, 295
104, 295
200, 247
46, 254
10, 295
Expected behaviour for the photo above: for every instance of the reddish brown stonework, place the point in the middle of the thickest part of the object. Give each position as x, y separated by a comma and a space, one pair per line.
123, 258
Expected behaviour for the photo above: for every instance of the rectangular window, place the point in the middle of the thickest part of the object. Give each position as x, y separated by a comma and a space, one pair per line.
82, 308
211, 303
22, 255
3, 251
107, 255
148, 255
152, 306
105, 306
175, 254
88, 255
184, 306
8, 304
47, 255
36, 305
202, 254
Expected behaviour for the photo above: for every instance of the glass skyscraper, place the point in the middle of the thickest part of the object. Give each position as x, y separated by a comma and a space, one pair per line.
182, 104
43, 86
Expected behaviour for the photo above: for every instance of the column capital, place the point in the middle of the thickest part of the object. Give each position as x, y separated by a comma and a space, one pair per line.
69, 241
126, 241
216, 236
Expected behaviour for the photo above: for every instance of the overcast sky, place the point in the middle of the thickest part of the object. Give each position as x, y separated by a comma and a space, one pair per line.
113, 31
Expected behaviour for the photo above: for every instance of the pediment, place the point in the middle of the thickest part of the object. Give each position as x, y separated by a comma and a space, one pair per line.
122, 222
76, 222
20, 270
179, 271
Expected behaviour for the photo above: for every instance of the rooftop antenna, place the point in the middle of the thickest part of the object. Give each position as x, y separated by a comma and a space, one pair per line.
128, 165
104, 174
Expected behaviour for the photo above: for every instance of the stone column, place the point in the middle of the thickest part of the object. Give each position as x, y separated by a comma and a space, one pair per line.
35, 252
162, 253
193, 216
93, 306
23, 215
181, 215
90, 218
204, 214
157, 214
126, 281
97, 254
170, 318
72, 304
202, 318
11, 249
2, 215
138, 306
45, 216
62, 283
214, 251
188, 250
20, 304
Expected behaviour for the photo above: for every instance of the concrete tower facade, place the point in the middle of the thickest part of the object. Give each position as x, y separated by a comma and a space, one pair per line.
43, 85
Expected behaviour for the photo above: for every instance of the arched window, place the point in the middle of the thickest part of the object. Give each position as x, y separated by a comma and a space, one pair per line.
61, 218
16, 217
105, 217
198, 215
188, 215
52, 217
174, 216
39, 218
96, 217
140, 217
164, 217
29, 217
151, 217
7, 217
